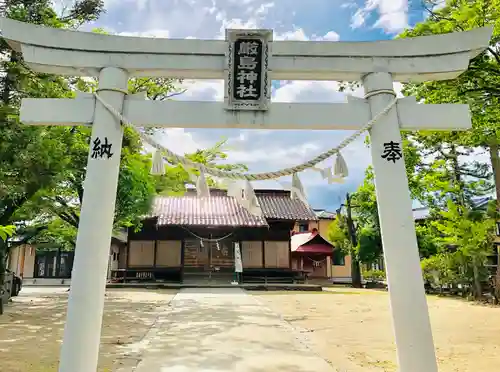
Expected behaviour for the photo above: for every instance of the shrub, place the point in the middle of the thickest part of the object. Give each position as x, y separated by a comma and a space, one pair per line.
374, 275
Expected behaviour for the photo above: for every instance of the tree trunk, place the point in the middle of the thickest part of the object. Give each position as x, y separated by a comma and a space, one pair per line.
495, 165
3, 254
457, 176
478, 290
9, 79
355, 266
355, 271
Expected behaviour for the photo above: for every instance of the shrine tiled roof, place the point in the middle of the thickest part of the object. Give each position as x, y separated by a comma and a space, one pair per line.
222, 210
282, 207
325, 215
310, 242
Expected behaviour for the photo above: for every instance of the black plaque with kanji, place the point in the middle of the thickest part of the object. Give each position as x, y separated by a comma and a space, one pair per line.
247, 70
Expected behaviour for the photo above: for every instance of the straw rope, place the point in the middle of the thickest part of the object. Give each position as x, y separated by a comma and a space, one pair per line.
173, 157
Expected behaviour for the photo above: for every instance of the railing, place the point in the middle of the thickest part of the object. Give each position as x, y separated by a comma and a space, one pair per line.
146, 274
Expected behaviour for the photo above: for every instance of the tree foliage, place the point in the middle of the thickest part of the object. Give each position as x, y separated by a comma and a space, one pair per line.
32, 159
447, 175
444, 171
471, 232
6, 231
366, 224
42, 169
338, 235
479, 87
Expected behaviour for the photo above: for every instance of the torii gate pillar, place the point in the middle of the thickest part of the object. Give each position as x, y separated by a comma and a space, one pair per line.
410, 315
96, 216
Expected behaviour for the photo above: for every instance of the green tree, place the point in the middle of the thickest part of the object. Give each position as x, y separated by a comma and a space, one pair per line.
426, 239
6, 231
479, 87
367, 225
471, 232
357, 234
339, 236
31, 159
135, 192
45, 167
444, 270
136, 187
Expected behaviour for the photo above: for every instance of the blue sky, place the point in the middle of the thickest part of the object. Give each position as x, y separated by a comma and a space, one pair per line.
333, 20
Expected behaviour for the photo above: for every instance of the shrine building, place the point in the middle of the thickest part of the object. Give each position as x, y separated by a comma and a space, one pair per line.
188, 238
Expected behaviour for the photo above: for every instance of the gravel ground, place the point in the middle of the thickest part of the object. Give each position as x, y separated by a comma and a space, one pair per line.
32, 327
352, 329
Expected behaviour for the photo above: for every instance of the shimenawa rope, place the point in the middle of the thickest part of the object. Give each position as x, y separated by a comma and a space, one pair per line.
173, 157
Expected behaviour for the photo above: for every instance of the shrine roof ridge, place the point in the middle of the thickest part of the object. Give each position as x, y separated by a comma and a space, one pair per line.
17, 33
222, 210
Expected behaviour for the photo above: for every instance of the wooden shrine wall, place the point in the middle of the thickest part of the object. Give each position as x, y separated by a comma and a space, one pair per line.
251, 254
141, 253
168, 253
277, 254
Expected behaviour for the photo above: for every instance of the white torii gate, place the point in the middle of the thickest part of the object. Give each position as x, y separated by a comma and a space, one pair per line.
377, 64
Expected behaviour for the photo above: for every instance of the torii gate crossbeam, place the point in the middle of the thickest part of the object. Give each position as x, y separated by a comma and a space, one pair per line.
377, 64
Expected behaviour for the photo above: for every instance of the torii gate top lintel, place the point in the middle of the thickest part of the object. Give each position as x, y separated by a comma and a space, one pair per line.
406, 59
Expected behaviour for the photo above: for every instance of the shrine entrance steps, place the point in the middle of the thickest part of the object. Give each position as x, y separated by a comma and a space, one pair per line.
207, 278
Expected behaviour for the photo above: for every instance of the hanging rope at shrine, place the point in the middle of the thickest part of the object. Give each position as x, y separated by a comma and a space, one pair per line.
209, 240
316, 263
340, 169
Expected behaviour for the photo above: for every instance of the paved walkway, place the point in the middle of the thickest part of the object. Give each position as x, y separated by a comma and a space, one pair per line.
224, 330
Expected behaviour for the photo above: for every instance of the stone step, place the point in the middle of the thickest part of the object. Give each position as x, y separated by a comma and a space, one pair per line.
206, 279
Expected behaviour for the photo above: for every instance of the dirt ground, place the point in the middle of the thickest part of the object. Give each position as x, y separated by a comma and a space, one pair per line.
31, 329
352, 329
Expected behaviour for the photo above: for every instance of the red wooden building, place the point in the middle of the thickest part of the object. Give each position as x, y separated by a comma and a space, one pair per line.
310, 253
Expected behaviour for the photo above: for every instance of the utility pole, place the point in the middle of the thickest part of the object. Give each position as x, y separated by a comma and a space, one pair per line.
355, 267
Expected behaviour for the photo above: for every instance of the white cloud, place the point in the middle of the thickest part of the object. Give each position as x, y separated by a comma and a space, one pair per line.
271, 150
263, 9
434, 6
282, 157
203, 90
439, 4
319, 91
261, 150
236, 23
358, 19
179, 141
299, 34
208, 19
266, 150
129, 4
331, 36
350, 4
392, 15
160, 33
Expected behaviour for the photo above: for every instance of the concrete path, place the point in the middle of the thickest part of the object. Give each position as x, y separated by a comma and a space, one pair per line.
223, 330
